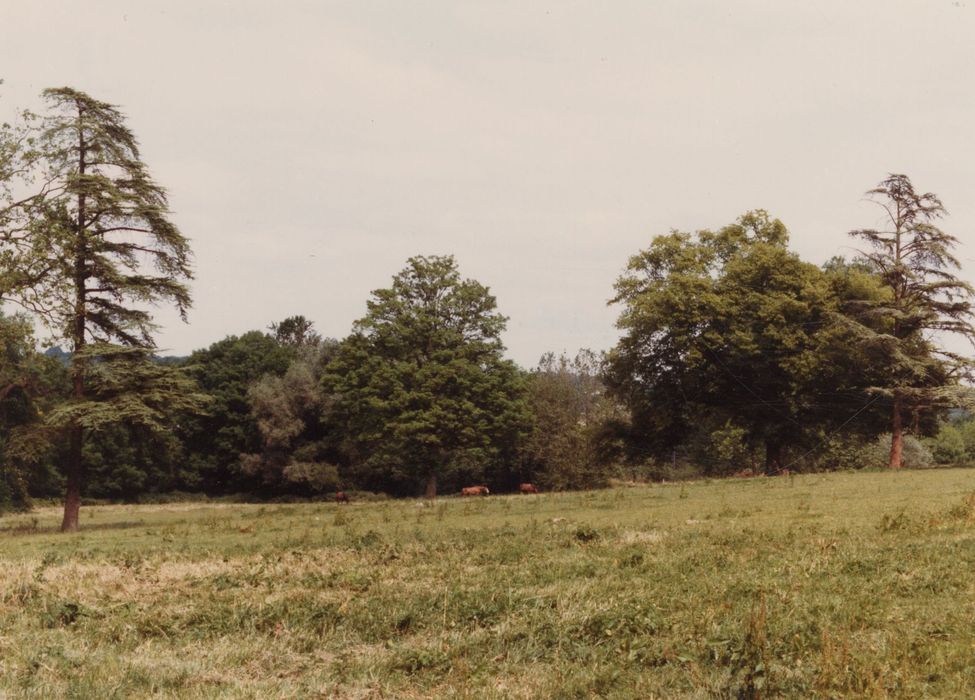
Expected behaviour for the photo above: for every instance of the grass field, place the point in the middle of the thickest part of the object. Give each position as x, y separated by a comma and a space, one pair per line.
835, 585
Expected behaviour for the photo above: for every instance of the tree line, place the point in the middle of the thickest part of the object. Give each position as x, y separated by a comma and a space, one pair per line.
733, 354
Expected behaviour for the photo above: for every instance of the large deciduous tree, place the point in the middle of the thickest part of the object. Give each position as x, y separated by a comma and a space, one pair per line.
925, 301
733, 327
421, 384
93, 247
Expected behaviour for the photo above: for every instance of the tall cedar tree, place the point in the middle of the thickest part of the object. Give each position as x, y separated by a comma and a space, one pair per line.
913, 257
99, 238
421, 385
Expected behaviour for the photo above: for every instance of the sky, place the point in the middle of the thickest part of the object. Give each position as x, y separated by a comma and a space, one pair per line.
310, 148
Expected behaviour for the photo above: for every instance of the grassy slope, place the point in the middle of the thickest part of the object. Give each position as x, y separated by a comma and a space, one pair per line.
832, 585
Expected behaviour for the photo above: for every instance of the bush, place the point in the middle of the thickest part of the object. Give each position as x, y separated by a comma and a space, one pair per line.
729, 449
914, 456
948, 446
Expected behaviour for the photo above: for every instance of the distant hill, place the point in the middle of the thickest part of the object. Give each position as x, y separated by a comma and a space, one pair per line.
58, 354
170, 359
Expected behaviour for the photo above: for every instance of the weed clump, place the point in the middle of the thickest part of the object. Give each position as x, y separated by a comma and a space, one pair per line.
892, 522
586, 533
964, 511
750, 678
369, 539
62, 613
414, 661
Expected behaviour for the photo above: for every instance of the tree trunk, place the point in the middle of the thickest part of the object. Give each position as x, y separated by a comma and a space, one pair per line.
773, 457
75, 467
72, 499
896, 437
431, 485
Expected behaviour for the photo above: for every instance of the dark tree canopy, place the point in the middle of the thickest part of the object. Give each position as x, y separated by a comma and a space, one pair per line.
25, 388
215, 442
421, 385
732, 326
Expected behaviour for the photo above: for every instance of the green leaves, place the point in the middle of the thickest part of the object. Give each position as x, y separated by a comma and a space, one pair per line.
124, 386
291, 412
421, 386
573, 417
727, 328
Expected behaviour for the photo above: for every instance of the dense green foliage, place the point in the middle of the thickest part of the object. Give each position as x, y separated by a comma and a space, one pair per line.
420, 389
954, 442
735, 355
26, 381
299, 450
575, 424
729, 341
214, 442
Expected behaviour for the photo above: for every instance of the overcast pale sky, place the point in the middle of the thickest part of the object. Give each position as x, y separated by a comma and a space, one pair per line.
310, 148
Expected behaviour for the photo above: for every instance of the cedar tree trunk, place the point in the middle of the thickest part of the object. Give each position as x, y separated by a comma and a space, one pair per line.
896, 437
72, 499
773, 457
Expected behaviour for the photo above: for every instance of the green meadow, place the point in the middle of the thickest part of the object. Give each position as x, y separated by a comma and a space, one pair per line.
831, 585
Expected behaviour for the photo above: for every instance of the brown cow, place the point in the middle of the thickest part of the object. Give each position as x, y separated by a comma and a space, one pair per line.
475, 491
527, 488
341, 497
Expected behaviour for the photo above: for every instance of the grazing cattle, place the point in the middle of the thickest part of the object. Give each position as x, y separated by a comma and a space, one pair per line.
475, 491
527, 488
341, 497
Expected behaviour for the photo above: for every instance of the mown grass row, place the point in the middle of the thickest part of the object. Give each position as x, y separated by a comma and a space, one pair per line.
844, 585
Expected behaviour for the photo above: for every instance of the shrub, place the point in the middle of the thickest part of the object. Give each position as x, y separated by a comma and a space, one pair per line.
855, 452
948, 446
